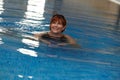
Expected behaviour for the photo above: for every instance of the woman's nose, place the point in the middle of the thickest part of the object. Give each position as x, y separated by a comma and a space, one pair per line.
56, 24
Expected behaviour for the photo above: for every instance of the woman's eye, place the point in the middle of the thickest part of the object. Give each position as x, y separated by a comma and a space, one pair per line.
56, 23
53, 21
59, 23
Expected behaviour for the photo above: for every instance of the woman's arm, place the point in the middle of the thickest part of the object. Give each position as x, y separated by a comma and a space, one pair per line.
39, 37
71, 42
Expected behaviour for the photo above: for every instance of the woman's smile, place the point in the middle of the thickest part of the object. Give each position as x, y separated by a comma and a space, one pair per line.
56, 27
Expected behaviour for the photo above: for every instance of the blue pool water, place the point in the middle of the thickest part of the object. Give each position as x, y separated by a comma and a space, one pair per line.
89, 23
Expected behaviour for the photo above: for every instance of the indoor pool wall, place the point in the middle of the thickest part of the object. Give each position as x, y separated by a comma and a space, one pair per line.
91, 22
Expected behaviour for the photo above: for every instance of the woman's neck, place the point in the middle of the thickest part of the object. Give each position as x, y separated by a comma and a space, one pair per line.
55, 34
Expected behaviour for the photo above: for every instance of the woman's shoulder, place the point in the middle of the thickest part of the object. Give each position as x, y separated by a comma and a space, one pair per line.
40, 34
70, 39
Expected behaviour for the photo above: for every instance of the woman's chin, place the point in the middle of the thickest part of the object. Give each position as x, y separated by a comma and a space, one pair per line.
55, 32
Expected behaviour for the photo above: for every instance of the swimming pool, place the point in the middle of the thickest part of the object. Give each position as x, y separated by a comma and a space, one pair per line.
93, 28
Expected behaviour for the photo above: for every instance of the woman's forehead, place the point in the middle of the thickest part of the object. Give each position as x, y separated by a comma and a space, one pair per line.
57, 20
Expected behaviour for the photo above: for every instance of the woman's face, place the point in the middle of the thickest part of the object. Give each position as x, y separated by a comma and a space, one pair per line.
56, 27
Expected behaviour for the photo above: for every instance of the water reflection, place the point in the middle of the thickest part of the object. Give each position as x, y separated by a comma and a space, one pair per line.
1, 42
31, 41
13, 11
28, 52
31, 44
34, 13
22, 76
1, 9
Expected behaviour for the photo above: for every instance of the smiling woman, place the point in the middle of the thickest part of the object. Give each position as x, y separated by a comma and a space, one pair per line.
55, 35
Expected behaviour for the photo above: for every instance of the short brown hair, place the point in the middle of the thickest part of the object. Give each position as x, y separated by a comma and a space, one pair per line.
60, 18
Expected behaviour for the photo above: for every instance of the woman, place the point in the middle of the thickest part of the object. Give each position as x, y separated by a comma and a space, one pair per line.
55, 35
